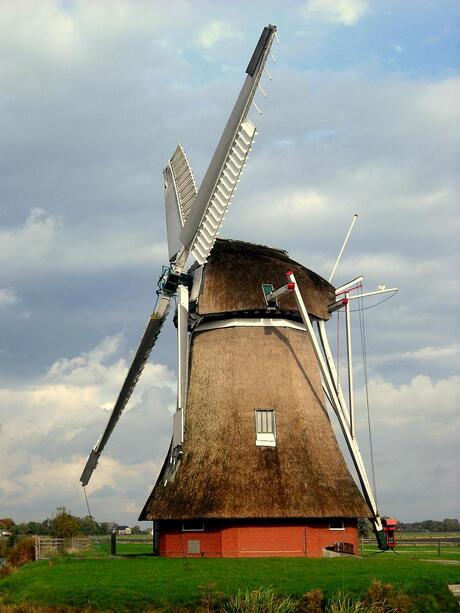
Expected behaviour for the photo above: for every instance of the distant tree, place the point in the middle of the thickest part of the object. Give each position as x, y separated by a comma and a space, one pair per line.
65, 525
136, 530
450, 525
364, 528
6, 523
88, 525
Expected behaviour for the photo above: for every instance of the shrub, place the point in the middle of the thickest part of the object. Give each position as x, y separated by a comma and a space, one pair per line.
263, 600
314, 601
64, 525
23, 551
6, 570
385, 599
209, 597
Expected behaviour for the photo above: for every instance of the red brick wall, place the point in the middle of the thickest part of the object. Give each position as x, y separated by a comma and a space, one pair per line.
174, 542
256, 539
319, 536
271, 540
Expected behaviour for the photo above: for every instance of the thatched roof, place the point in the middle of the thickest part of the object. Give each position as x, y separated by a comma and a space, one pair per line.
235, 272
223, 474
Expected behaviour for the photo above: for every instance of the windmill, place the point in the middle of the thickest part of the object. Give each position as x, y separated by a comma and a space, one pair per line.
253, 467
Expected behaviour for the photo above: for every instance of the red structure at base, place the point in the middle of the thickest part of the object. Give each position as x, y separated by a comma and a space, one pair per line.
389, 527
255, 539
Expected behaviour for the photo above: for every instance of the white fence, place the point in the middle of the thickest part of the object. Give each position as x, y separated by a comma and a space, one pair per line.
46, 547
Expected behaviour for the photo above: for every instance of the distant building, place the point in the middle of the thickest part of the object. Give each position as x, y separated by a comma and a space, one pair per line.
123, 530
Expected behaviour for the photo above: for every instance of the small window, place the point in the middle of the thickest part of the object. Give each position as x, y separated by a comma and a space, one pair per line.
336, 524
193, 526
265, 428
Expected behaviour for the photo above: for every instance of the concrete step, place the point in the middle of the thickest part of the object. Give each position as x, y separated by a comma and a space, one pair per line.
455, 589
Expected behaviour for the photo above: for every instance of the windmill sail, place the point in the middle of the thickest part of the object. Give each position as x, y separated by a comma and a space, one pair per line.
180, 194
193, 220
145, 347
219, 183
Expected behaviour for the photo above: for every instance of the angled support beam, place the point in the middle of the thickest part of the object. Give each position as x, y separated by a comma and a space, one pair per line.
351, 402
340, 410
271, 296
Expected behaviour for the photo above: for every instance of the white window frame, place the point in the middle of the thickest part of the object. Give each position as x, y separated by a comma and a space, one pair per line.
265, 439
184, 529
337, 520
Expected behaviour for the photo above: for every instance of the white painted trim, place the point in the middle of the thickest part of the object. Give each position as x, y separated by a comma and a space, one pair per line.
249, 322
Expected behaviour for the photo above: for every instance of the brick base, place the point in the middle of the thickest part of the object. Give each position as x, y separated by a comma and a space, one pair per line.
257, 538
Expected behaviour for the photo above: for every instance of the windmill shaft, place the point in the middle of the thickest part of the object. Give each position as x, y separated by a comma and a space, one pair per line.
145, 347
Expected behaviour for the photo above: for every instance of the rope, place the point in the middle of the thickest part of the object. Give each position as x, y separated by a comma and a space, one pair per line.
94, 525
362, 329
373, 305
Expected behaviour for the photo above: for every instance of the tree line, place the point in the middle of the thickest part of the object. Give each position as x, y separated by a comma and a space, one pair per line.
62, 525
431, 525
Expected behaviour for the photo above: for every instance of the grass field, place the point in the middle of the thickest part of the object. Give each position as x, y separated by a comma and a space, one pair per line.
138, 582
423, 551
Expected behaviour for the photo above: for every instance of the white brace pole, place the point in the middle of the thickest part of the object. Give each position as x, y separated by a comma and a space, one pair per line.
349, 286
334, 378
182, 353
350, 366
352, 443
355, 217
339, 408
375, 293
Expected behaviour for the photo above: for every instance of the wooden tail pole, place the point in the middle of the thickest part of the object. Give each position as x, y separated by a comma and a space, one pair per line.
340, 410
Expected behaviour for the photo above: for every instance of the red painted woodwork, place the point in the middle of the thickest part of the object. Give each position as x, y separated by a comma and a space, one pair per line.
231, 539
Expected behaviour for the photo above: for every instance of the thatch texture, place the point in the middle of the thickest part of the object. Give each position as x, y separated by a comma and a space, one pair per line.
235, 272
223, 474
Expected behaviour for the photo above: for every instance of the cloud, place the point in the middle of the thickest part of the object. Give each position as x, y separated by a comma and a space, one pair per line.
8, 297
43, 240
214, 32
415, 431
434, 404
49, 426
30, 243
343, 12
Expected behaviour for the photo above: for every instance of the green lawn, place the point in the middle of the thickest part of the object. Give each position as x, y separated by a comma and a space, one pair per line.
421, 552
130, 583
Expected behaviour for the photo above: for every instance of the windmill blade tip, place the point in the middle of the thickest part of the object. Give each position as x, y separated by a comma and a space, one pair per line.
90, 466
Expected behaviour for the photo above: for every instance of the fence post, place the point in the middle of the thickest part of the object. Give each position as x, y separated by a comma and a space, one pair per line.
439, 549
113, 543
37, 550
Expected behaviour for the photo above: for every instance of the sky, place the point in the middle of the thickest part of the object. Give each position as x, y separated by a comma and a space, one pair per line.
362, 116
